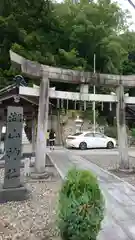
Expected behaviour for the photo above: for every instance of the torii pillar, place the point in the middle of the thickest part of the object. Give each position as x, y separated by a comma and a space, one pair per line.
37, 70
42, 125
121, 129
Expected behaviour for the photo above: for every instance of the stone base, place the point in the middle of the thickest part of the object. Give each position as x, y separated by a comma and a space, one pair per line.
39, 176
13, 194
130, 170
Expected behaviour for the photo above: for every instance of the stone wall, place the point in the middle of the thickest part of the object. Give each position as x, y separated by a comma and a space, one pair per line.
65, 129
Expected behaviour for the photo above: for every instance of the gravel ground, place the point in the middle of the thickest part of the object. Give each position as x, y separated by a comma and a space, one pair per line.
110, 162
34, 219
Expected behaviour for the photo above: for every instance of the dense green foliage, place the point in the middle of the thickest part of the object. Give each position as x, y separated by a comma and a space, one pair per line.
133, 132
111, 131
81, 206
66, 34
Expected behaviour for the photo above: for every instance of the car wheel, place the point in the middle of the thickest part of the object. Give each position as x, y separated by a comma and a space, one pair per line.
83, 146
110, 145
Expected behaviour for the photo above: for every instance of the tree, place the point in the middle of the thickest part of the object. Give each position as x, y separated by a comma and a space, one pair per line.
29, 26
128, 43
94, 28
63, 34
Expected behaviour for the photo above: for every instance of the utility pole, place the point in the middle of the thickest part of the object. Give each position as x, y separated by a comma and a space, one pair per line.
94, 91
131, 3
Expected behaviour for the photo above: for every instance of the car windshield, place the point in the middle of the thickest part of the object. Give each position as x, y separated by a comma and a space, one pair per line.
76, 134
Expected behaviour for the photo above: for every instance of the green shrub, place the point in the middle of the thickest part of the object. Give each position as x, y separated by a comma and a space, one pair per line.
133, 132
81, 206
111, 131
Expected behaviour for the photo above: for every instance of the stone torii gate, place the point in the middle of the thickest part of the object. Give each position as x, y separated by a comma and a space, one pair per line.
84, 79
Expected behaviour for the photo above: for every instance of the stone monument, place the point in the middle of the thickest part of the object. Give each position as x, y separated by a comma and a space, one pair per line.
12, 189
78, 124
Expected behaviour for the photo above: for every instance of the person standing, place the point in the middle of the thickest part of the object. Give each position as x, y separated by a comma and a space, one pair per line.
52, 139
47, 138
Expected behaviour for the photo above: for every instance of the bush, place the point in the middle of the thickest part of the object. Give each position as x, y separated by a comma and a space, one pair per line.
81, 206
133, 132
111, 131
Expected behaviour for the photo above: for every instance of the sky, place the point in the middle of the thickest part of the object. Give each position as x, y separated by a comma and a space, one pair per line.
126, 5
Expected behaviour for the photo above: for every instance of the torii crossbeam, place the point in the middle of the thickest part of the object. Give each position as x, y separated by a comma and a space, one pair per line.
34, 70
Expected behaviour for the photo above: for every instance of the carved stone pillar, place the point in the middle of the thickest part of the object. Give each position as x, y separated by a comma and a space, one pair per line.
121, 129
42, 124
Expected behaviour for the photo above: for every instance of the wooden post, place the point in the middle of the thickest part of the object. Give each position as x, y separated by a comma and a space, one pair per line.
1, 125
33, 132
42, 125
121, 129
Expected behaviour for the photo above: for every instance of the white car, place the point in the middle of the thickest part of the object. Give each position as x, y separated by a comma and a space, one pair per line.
90, 140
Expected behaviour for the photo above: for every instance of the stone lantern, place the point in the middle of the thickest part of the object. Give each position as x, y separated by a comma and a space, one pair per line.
78, 124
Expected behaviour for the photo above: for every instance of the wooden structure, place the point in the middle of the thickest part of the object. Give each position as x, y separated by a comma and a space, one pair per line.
84, 79
9, 96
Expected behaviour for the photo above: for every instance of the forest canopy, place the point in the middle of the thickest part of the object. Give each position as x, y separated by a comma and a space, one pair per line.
66, 35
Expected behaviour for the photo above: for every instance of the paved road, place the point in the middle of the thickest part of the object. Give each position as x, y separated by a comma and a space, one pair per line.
105, 158
101, 152
28, 148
